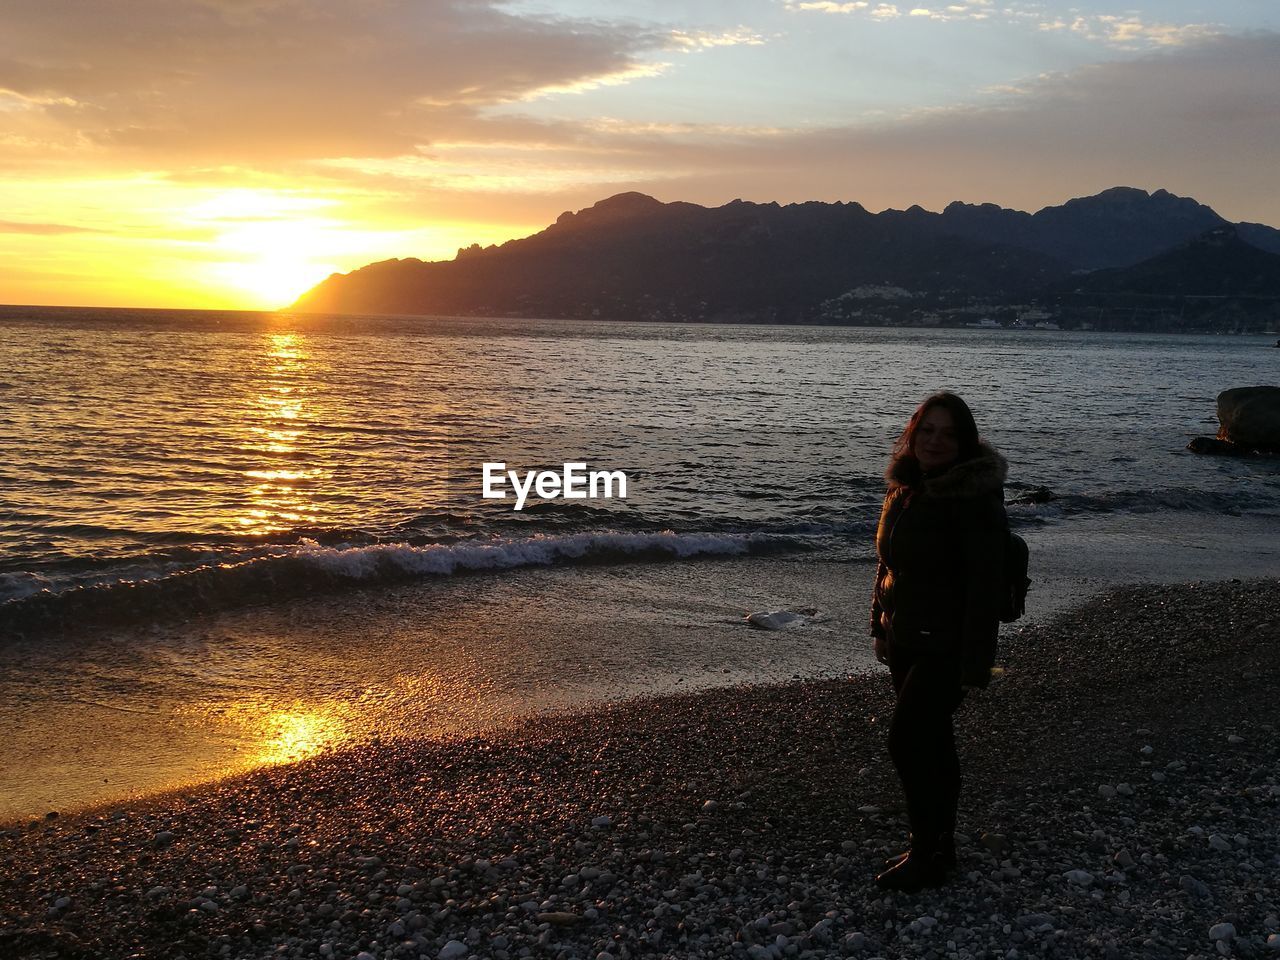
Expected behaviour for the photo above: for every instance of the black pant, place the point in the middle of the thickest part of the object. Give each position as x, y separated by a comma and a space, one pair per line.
922, 743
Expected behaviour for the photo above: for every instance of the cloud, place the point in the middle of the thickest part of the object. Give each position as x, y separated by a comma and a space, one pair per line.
616, 78
219, 81
47, 229
702, 40
1131, 32
1127, 32
827, 6
878, 11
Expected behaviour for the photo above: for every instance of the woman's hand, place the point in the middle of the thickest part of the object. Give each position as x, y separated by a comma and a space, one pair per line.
881, 648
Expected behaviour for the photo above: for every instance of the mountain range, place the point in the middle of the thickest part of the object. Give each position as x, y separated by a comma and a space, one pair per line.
633, 257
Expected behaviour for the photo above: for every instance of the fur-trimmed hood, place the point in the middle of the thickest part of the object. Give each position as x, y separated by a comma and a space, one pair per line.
985, 473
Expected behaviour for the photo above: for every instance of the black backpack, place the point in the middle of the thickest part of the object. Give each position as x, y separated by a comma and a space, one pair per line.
1016, 582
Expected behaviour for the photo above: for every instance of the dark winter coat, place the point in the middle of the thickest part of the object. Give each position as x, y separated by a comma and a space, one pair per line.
941, 544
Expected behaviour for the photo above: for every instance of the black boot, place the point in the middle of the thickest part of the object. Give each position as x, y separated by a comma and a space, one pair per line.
914, 872
898, 858
946, 853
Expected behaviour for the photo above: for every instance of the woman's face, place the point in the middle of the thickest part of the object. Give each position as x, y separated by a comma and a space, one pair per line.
935, 443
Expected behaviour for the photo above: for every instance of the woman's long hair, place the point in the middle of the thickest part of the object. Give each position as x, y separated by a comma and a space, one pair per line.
961, 416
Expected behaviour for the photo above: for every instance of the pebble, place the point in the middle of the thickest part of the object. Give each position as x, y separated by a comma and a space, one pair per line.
1035, 920
1222, 931
538, 882
559, 918
1195, 887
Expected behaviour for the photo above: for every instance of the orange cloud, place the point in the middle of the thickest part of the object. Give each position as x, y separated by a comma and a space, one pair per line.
270, 80
42, 229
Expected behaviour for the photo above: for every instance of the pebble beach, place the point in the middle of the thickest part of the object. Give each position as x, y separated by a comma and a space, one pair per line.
1121, 799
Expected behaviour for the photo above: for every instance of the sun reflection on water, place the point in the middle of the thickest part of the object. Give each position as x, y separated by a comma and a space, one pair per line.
280, 497
269, 734
289, 735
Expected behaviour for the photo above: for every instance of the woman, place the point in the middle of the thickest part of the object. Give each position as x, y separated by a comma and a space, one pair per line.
935, 614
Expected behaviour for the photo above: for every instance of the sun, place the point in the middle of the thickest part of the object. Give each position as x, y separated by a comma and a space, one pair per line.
270, 245
262, 249
275, 261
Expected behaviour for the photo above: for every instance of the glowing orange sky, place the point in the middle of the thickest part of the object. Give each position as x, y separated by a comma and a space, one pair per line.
146, 241
231, 153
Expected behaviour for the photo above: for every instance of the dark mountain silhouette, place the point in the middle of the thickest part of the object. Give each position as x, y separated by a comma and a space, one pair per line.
633, 257
1216, 264
1115, 228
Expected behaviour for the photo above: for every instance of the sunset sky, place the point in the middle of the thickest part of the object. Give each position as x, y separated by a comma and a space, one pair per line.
231, 153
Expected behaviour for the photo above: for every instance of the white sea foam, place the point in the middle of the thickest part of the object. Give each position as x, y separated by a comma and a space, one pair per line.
365, 562
23, 583
301, 566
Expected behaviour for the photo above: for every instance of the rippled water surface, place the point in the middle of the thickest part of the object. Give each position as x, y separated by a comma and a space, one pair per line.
137, 445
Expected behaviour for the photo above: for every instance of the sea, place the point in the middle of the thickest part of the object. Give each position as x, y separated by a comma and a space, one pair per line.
231, 539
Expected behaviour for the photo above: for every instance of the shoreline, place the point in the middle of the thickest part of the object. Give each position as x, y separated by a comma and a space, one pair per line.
13, 312
183, 703
738, 821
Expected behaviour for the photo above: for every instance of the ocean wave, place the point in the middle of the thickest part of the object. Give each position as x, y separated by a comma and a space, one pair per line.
310, 567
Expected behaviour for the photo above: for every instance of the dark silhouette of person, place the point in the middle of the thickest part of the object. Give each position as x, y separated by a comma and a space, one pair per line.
935, 614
